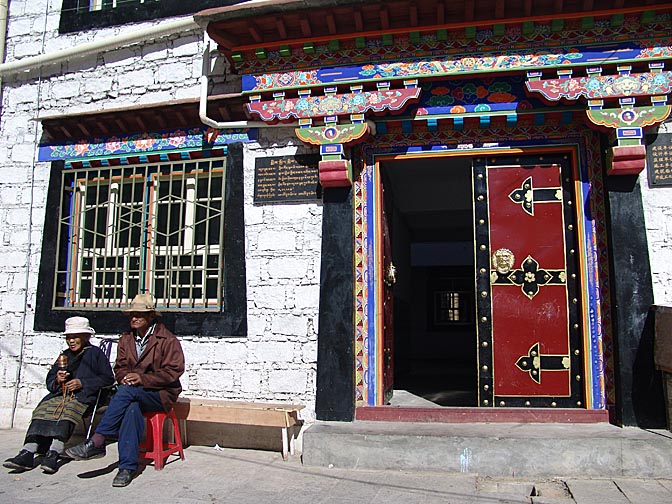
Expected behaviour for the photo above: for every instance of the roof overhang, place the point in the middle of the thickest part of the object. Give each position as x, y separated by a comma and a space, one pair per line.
177, 114
275, 22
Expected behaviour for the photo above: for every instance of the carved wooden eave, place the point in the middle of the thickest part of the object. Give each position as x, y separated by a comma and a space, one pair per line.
278, 22
173, 115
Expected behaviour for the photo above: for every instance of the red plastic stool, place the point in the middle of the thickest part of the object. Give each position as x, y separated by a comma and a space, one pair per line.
154, 447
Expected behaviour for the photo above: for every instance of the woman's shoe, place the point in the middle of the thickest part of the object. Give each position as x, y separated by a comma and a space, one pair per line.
50, 462
24, 461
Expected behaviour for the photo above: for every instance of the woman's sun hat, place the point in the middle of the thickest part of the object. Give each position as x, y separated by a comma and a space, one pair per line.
78, 325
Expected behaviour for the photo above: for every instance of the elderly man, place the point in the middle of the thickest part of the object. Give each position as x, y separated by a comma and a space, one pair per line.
148, 369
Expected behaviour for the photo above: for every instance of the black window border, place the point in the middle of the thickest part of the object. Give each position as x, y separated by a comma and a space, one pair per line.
74, 18
231, 322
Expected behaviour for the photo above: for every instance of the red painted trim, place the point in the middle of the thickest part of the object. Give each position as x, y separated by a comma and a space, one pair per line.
480, 415
627, 160
335, 173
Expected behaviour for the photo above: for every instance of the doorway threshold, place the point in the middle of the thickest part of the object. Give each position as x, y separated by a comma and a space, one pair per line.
479, 415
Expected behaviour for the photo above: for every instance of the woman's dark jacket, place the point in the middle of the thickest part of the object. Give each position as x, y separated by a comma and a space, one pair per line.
92, 368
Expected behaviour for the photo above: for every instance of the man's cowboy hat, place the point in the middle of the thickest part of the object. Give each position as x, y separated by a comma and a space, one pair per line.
78, 325
142, 303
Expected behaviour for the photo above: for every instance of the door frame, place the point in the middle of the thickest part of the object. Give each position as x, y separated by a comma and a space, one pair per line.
586, 169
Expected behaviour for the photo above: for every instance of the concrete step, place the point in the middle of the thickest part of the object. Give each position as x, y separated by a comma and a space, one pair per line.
492, 449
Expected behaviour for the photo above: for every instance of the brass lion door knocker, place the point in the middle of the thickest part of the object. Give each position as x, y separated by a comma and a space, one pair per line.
503, 260
390, 275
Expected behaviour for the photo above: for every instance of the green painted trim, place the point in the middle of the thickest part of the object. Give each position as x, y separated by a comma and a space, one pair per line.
617, 20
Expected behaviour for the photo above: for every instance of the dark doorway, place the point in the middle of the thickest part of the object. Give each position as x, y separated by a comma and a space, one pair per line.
430, 213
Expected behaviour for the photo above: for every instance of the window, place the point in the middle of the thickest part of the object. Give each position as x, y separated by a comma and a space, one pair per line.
174, 228
451, 307
450, 298
147, 227
78, 15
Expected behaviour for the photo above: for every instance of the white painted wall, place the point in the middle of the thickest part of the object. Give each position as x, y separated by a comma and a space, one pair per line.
277, 360
658, 217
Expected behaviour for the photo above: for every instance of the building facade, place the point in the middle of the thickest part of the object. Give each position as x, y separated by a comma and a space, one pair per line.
381, 210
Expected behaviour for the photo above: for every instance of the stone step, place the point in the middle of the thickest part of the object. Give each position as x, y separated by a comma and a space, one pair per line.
492, 449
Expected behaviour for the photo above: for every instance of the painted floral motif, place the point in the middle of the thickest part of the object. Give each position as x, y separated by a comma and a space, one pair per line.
286, 79
609, 86
143, 143
630, 117
320, 106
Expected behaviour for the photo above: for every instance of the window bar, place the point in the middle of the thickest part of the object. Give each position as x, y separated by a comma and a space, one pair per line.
189, 229
182, 224
148, 189
81, 209
222, 238
114, 210
168, 289
67, 262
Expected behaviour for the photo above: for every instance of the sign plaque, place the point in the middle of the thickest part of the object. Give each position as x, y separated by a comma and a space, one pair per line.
287, 178
659, 159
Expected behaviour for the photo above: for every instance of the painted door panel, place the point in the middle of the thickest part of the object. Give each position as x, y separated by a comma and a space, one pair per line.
527, 283
388, 306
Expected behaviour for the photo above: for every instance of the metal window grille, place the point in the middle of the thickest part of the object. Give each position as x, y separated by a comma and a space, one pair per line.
156, 227
95, 5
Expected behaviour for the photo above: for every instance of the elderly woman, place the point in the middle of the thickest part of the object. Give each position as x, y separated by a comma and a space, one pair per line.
73, 383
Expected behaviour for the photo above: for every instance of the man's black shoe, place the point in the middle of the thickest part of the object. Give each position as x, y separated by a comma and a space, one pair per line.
123, 478
50, 462
23, 461
85, 451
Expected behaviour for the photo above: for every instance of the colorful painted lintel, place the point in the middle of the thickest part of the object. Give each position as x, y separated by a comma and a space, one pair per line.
337, 104
474, 63
144, 143
604, 86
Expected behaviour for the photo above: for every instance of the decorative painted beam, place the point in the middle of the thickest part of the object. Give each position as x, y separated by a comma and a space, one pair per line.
570, 56
167, 142
335, 104
628, 157
629, 117
607, 86
340, 134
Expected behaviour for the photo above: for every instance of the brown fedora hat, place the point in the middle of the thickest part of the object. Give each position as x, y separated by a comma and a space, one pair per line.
142, 303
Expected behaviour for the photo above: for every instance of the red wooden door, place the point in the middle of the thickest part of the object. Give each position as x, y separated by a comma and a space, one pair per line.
527, 283
388, 276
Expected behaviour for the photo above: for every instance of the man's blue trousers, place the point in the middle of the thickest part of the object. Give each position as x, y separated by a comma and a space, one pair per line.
123, 418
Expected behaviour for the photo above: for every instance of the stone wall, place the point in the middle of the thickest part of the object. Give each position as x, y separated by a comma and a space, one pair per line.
277, 360
658, 215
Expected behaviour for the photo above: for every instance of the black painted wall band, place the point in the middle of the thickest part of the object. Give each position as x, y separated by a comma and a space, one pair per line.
639, 393
335, 396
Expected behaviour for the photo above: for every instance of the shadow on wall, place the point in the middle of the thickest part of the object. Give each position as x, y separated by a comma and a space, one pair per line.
647, 384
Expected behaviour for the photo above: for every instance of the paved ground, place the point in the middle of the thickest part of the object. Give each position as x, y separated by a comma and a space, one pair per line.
214, 476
